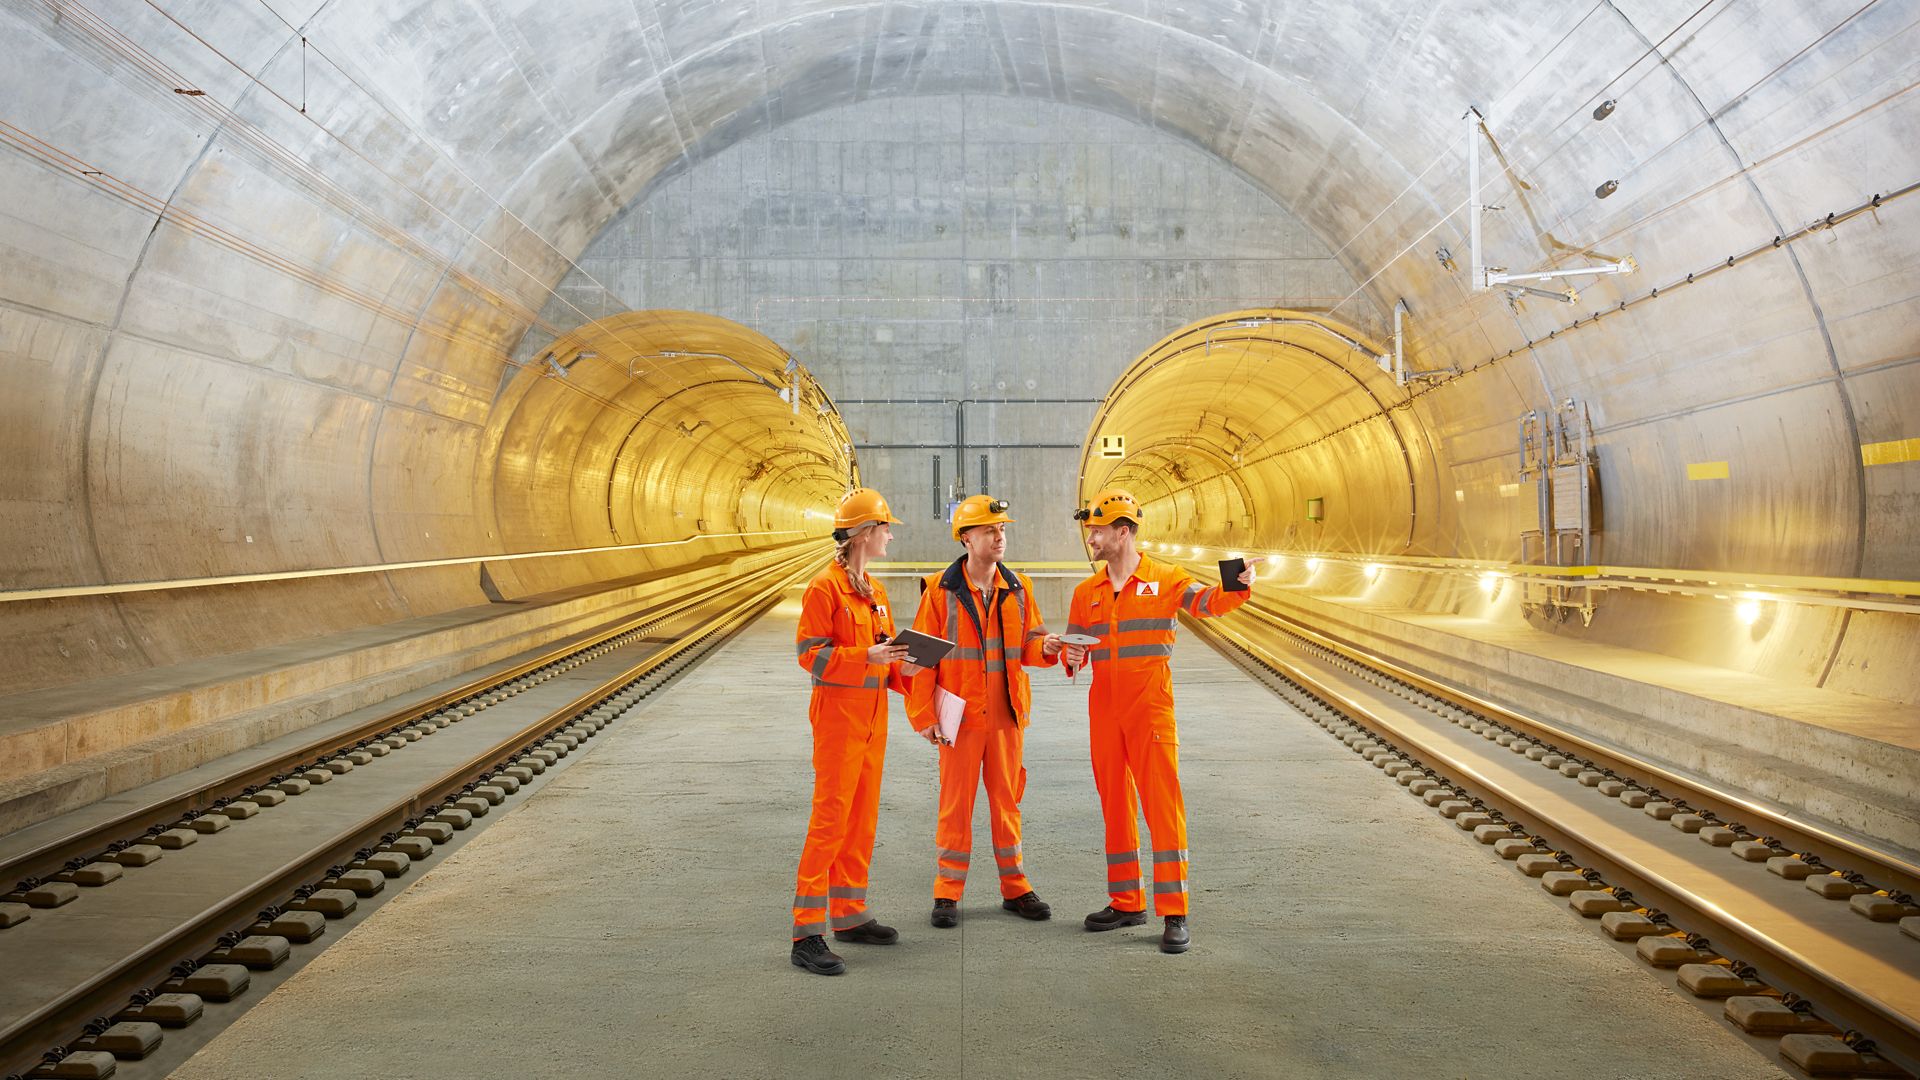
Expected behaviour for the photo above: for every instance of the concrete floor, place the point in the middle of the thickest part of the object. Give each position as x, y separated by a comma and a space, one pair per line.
630, 919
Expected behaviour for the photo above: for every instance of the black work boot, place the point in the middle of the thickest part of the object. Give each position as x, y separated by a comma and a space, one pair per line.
812, 953
868, 933
1174, 938
1028, 905
946, 914
1111, 918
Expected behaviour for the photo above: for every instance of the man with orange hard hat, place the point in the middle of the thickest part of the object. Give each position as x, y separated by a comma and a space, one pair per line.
1131, 607
990, 615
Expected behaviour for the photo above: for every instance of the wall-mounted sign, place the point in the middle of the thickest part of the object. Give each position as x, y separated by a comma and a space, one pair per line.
1316, 510
1113, 446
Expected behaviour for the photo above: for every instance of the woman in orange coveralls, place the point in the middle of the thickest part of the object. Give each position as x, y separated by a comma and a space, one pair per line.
842, 642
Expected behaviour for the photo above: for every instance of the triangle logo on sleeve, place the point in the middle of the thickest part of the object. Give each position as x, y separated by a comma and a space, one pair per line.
1149, 588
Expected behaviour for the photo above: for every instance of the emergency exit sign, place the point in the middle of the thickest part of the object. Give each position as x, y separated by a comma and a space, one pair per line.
1113, 446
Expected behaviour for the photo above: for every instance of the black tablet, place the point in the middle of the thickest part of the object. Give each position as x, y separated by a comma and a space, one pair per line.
923, 649
1230, 571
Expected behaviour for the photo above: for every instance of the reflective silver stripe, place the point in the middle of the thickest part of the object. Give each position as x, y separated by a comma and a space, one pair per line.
961, 857
1076, 628
801, 930
1170, 856
951, 874
872, 683
809, 901
1145, 650
1116, 858
1187, 598
847, 892
963, 653
1205, 598
808, 643
848, 922
1008, 852
1011, 871
1126, 626
1170, 886
996, 665
1100, 654
953, 615
1129, 885
820, 661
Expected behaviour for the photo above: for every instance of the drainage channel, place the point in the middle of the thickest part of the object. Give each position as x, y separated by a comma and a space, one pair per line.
1834, 983
177, 946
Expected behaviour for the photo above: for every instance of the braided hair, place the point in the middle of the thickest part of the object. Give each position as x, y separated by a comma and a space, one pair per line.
843, 543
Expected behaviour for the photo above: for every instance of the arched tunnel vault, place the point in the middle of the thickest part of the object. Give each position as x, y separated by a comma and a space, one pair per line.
1231, 424
247, 333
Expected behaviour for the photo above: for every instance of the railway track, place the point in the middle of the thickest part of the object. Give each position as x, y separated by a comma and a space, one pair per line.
125, 928
1810, 937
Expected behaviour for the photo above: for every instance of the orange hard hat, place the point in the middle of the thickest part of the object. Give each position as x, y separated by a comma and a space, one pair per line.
979, 510
1109, 506
862, 506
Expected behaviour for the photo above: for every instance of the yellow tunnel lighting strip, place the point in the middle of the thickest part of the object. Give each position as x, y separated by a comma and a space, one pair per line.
341, 571
1707, 470
1807, 589
1890, 453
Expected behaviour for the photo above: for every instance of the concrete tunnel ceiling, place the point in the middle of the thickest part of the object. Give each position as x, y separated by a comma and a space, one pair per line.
296, 290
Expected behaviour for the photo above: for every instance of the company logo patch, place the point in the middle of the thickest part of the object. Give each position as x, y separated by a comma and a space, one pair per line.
1149, 588
880, 610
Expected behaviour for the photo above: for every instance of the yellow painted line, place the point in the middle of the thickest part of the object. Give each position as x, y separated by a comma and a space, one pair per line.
342, 571
1707, 470
1890, 453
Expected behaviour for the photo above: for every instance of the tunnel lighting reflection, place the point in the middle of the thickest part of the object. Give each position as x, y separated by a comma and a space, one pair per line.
1373, 571
1490, 582
1313, 565
1747, 610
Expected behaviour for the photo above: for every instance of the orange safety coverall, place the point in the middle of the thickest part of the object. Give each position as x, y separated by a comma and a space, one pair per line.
1130, 721
849, 717
992, 678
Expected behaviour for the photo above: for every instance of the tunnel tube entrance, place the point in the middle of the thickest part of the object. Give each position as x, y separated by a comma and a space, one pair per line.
1264, 429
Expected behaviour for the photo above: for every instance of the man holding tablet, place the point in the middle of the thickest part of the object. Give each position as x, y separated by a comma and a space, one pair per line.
990, 615
1129, 606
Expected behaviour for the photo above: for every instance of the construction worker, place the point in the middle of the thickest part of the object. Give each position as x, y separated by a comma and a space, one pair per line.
990, 614
844, 643
1131, 605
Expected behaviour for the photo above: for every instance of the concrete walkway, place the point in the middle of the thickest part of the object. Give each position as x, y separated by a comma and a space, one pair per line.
631, 920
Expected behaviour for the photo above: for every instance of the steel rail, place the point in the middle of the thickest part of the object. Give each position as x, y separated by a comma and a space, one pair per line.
58, 852
59, 1020
1810, 837
1896, 1033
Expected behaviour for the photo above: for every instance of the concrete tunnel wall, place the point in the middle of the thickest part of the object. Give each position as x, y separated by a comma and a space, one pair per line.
226, 318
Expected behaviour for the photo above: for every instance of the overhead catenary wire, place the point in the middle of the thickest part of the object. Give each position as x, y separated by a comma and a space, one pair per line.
1830, 221
1494, 107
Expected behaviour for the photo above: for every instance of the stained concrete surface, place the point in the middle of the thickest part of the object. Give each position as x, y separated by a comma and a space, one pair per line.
630, 919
